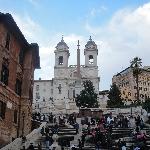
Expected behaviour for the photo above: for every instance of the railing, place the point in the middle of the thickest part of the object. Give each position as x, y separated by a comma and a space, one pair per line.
30, 138
34, 135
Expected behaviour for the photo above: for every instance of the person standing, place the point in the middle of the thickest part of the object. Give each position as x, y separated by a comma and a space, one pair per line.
31, 147
47, 141
76, 126
80, 144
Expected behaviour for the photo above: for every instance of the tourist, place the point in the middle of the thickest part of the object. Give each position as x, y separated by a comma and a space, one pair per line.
42, 131
141, 124
97, 145
83, 139
55, 129
40, 146
48, 141
79, 144
132, 122
31, 147
137, 148
119, 144
73, 147
124, 147
76, 126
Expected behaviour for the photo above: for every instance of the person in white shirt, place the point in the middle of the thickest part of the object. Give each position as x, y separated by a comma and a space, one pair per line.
123, 148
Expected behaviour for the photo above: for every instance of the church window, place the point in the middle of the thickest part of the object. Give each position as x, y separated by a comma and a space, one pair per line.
51, 91
2, 109
37, 96
68, 93
74, 94
7, 41
37, 87
60, 60
91, 59
4, 74
59, 88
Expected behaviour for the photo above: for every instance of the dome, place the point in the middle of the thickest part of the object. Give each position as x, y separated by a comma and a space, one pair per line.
62, 45
91, 44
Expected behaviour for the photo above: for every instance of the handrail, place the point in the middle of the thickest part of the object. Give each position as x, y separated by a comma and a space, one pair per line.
30, 138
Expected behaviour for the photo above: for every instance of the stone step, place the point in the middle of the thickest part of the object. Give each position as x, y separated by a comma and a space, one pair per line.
66, 133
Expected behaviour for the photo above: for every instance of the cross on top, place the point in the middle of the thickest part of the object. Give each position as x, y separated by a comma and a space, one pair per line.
78, 44
90, 38
62, 38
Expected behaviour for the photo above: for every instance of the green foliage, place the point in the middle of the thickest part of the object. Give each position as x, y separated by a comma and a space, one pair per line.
87, 97
136, 64
115, 97
146, 105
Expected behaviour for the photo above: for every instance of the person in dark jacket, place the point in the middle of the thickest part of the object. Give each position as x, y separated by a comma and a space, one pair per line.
31, 147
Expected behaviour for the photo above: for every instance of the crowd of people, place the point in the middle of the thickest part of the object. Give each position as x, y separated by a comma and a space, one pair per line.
101, 133
95, 130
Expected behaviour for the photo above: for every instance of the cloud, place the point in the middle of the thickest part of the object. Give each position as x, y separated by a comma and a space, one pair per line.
29, 28
34, 2
123, 37
97, 11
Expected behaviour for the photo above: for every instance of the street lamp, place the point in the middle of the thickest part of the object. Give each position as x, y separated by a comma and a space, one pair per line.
23, 116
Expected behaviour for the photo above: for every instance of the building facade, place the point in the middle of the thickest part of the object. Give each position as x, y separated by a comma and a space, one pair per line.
18, 59
68, 79
43, 96
127, 84
103, 98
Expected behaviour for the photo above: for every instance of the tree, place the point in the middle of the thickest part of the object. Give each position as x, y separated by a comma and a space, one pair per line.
114, 97
87, 97
146, 105
136, 64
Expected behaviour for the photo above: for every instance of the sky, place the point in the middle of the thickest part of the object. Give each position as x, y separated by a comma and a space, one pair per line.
120, 28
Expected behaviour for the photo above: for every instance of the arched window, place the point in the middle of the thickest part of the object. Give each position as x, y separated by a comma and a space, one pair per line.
91, 59
60, 60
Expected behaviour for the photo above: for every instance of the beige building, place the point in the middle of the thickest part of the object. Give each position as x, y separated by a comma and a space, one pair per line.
127, 85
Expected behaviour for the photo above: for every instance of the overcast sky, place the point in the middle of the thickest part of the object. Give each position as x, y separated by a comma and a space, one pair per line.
120, 28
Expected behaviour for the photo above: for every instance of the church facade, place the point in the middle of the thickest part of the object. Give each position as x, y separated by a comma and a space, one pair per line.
67, 81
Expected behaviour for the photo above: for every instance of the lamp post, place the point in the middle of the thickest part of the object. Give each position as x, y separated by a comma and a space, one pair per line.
23, 116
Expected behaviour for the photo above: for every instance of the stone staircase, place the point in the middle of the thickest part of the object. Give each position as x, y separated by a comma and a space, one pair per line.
70, 132
125, 134
67, 133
